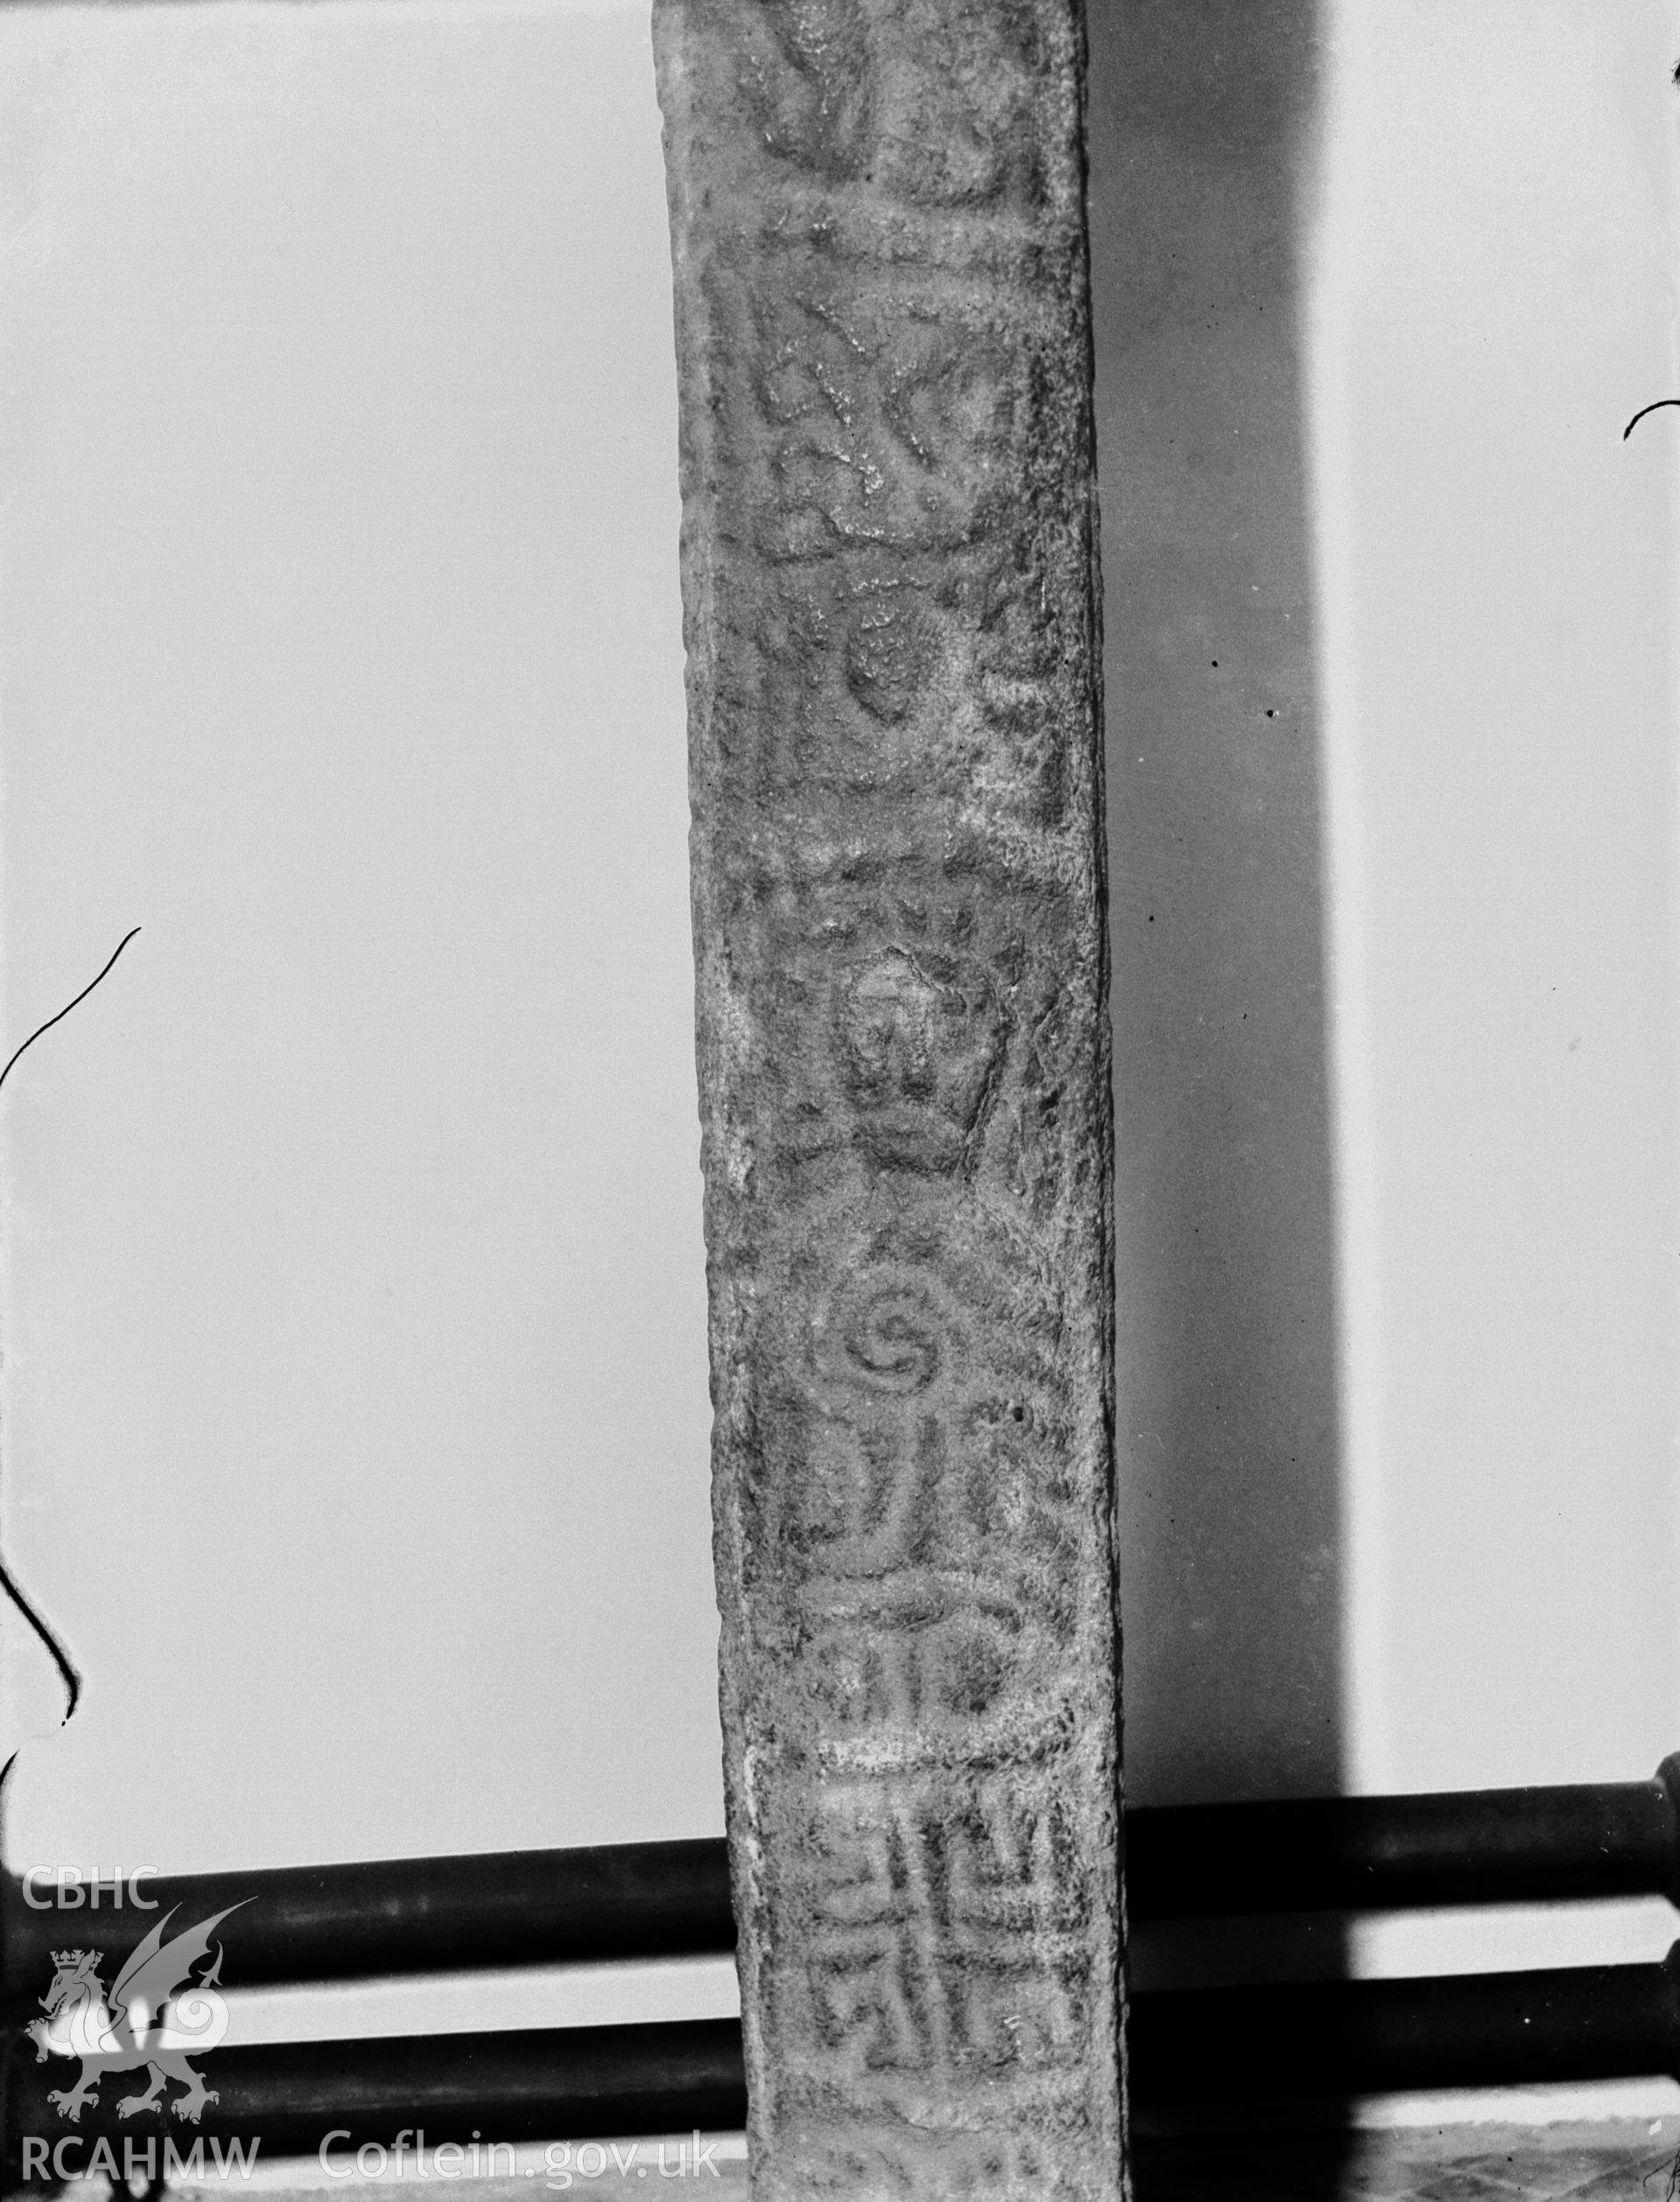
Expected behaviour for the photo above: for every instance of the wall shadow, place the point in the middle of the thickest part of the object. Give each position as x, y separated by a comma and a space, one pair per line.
1201, 115
1201, 109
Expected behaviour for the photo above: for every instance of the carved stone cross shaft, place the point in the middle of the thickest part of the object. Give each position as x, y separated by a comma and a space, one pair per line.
889, 594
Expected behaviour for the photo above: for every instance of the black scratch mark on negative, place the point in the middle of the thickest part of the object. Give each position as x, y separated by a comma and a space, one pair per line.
1643, 410
9, 1583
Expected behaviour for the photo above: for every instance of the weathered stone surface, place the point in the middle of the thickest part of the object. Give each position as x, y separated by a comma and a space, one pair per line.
889, 547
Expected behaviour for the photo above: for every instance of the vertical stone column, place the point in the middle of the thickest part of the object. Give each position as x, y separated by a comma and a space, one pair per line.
890, 589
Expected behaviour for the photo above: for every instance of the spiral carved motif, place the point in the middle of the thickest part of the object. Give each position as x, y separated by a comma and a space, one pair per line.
892, 1343
890, 1331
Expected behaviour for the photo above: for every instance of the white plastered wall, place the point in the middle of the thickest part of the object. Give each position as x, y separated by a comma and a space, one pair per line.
1492, 299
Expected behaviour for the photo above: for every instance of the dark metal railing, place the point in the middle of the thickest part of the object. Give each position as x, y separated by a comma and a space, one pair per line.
531, 2083
669, 1899
1224, 2044
402, 1915
1396, 1853
1477, 2030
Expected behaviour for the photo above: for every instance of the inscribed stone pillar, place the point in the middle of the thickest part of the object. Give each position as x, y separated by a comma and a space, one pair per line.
890, 596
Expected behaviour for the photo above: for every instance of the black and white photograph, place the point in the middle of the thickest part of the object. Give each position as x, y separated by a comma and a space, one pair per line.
840, 1100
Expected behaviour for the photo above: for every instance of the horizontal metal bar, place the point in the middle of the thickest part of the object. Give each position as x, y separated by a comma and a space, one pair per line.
402, 1915
669, 1899
538, 2084
1348, 2038
1391, 1853
1365, 2036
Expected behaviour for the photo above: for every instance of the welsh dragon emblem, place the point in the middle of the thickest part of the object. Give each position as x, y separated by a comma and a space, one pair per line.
129, 2031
